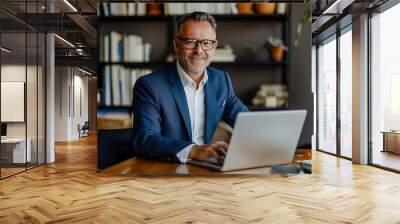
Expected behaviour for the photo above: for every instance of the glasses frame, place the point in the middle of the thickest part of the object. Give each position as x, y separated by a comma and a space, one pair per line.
214, 42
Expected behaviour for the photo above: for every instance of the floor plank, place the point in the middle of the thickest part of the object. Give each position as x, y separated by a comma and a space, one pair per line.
71, 191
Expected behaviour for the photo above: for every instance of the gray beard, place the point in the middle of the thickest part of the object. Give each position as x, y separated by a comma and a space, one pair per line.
191, 68
195, 69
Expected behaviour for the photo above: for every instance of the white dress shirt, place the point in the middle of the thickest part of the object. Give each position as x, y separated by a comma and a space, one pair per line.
195, 102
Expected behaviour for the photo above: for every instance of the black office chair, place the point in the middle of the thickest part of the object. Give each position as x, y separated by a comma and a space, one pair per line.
113, 146
84, 129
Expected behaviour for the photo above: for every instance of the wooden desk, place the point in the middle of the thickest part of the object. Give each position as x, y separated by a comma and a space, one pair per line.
391, 141
14, 152
140, 166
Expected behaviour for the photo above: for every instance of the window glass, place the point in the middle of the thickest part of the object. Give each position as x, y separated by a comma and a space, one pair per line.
327, 97
385, 89
346, 94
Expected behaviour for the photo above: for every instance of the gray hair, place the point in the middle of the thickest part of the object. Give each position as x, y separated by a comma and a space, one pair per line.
197, 17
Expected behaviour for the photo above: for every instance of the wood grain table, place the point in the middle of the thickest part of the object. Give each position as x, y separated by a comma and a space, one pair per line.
141, 166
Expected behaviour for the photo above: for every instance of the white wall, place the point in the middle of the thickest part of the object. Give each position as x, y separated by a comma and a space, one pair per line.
71, 102
17, 73
62, 81
33, 126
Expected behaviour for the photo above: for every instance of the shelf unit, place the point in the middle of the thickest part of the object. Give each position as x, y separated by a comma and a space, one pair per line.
215, 64
246, 73
217, 17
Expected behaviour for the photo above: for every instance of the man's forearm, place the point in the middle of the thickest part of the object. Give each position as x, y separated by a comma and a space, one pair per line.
158, 147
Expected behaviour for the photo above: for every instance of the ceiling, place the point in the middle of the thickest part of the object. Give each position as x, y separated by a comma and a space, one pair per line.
328, 16
76, 24
79, 26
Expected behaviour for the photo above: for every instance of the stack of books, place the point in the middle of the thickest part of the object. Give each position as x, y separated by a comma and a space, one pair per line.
224, 54
271, 96
118, 83
124, 48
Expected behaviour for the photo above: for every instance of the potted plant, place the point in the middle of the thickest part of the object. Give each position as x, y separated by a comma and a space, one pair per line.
276, 48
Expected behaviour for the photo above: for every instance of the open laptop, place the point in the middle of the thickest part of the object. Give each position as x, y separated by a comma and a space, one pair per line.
260, 139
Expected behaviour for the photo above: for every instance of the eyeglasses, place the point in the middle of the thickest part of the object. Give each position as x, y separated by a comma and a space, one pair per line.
189, 43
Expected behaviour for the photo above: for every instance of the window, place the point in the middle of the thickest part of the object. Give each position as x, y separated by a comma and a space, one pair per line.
327, 96
22, 75
346, 94
385, 88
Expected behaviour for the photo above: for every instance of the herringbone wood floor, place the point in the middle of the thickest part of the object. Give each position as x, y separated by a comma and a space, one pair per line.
70, 191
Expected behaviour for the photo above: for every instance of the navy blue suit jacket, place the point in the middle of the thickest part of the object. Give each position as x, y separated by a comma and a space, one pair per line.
161, 115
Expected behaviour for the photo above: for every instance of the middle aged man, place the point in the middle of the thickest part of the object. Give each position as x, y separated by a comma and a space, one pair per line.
177, 108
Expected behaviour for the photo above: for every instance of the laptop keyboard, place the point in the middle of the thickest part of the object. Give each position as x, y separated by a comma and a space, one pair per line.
213, 160
209, 163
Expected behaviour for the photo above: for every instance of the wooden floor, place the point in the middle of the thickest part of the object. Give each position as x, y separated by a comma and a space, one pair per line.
70, 191
386, 159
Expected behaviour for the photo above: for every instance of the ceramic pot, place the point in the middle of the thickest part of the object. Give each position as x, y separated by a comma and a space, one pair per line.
277, 53
245, 8
154, 9
265, 8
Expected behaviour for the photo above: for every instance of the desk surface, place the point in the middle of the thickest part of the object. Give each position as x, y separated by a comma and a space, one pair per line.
139, 166
390, 132
13, 140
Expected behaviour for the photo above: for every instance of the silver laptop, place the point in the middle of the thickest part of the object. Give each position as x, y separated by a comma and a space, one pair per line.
260, 139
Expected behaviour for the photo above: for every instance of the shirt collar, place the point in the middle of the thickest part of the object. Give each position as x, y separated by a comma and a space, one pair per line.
185, 78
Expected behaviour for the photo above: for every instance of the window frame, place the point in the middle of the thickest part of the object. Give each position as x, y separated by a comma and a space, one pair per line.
333, 37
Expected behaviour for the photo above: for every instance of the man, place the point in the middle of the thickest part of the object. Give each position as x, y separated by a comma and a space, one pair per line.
177, 109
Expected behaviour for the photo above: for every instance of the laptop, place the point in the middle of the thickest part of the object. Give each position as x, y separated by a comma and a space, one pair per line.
260, 139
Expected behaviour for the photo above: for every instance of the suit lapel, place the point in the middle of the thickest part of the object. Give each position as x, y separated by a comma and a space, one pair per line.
209, 107
180, 97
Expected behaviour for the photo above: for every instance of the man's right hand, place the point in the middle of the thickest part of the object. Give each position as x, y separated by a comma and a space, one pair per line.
203, 152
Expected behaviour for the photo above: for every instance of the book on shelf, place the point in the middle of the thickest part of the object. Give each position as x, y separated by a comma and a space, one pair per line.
118, 83
281, 8
107, 86
212, 8
224, 58
124, 48
104, 53
116, 48
224, 54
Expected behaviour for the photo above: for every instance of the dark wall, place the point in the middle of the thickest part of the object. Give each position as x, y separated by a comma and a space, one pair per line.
300, 95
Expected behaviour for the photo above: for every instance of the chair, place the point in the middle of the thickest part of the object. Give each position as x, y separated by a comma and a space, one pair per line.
84, 130
113, 146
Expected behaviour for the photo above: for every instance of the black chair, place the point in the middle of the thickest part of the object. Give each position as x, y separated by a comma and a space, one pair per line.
113, 146
84, 130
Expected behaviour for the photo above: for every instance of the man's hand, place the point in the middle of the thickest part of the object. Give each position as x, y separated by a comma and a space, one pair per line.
203, 152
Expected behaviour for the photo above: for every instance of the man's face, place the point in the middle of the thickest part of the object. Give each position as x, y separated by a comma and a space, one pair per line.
197, 59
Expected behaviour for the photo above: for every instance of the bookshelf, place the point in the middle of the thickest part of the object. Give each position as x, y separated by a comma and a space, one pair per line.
247, 71
118, 19
160, 63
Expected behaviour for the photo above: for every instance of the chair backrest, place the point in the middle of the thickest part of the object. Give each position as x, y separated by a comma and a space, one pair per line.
86, 125
113, 146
